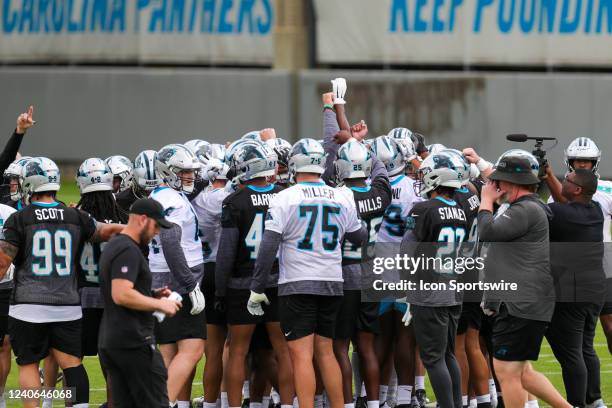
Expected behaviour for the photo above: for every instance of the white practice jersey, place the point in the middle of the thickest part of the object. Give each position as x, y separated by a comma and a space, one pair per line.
403, 199
312, 219
603, 196
5, 212
208, 205
178, 210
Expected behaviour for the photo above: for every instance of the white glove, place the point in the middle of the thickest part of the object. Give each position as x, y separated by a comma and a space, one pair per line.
339, 87
161, 316
486, 311
407, 317
197, 300
254, 304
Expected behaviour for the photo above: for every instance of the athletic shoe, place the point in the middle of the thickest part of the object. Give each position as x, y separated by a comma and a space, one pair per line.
421, 396
198, 402
597, 404
361, 402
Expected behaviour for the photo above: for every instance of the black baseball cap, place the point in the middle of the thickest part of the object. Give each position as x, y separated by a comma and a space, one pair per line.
514, 169
152, 209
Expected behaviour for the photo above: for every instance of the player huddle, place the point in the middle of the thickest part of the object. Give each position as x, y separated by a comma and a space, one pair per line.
266, 248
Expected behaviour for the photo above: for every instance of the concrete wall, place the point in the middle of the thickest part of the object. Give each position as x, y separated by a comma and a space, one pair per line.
84, 112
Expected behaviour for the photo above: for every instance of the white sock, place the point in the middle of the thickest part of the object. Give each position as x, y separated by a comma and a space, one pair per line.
419, 382
363, 390
492, 388
318, 401
47, 403
382, 392
209, 405
532, 404
245, 390
481, 399
296, 403
373, 404
351, 405
404, 394
84, 405
464, 400
2, 402
473, 403
286, 406
392, 393
183, 404
275, 396
224, 400
265, 402
255, 404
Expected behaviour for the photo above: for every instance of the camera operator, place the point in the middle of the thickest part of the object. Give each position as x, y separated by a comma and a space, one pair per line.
580, 284
519, 327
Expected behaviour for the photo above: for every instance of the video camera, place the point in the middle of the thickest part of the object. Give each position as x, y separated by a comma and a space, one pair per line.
538, 151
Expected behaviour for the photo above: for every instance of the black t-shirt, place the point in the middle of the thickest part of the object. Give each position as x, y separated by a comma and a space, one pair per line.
576, 222
49, 238
246, 210
122, 327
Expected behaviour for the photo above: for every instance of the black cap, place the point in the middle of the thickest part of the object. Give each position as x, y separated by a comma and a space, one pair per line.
516, 170
152, 209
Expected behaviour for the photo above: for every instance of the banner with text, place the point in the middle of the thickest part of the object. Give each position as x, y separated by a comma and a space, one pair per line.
540, 32
145, 31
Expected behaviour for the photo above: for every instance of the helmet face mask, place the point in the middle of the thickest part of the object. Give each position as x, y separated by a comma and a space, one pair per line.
14, 179
172, 162
122, 169
582, 148
437, 170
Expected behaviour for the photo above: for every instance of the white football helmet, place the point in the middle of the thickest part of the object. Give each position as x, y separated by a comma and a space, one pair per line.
200, 148
354, 160
14, 171
437, 170
252, 135
582, 148
39, 175
173, 159
282, 148
94, 175
535, 165
146, 178
121, 167
307, 156
461, 165
403, 137
253, 159
215, 170
388, 151
217, 151
435, 148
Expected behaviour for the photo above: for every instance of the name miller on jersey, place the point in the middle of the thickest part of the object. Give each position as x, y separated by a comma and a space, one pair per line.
316, 192
262, 199
369, 204
451, 213
49, 214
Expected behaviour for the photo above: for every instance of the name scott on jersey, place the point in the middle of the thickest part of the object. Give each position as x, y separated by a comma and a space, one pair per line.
262, 199
49, 214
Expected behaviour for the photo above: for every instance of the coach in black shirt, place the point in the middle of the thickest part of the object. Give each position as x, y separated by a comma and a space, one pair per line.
127, 346
576, 235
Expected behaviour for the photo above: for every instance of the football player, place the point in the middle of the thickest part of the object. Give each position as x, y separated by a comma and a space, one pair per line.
242, 220
175, 259
145, 180
308, 222
208, 206
6, 287
43, 241
12, 178
122, 169
394, 332
282, 148
436, 313
95, 182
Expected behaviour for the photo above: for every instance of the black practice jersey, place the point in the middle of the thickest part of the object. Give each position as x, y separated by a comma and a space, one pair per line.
246, 210
49, 238
371, 202
125, 199
89, 261
470, 203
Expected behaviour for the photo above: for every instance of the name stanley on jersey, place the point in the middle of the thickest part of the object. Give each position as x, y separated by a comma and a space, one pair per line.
451, 213
49, 214
262, 199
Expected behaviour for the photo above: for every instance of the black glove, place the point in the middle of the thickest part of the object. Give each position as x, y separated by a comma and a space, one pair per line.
220, 304
419, 143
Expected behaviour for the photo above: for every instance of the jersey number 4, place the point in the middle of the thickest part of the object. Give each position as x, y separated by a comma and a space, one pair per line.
329, 231
51, 252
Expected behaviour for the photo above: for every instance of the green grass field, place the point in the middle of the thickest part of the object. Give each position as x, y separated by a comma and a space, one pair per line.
547, 364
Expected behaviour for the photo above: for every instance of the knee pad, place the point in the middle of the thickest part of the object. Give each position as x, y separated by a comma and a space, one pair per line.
76, 377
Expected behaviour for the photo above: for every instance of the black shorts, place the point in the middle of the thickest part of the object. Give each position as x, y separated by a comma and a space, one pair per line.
356, 316
183, 325
515, 338
92, 318
31, 341
5, 296
606, 309
260, 339
435, 329
139, 377
303, 315
471, 317
208, 288
237, 312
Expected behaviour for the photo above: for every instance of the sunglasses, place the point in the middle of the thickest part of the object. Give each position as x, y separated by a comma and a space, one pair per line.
573, 182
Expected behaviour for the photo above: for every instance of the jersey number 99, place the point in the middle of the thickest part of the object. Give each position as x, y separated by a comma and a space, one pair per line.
51, 252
